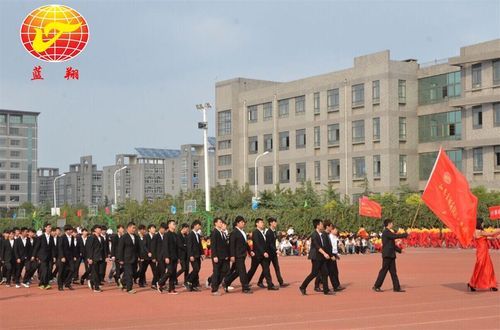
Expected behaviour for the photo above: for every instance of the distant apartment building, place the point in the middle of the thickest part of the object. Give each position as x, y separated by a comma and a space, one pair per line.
375, 126
18, 157
45, 180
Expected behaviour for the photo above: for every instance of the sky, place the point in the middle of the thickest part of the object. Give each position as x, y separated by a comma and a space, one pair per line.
148, 63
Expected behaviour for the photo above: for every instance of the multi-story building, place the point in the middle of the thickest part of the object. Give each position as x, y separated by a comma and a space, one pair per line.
375, 126
18, 157
45, 180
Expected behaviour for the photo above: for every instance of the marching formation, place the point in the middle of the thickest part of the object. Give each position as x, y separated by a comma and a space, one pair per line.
55, 256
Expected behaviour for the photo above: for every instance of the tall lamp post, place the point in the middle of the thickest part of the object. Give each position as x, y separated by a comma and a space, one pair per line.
54, 212
114, 182
204, 126
255, 172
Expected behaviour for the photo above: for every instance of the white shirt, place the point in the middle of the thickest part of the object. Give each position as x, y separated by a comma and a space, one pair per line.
47, 237
133, 238
11, 241
263, 232
334, 239
243, 233
24, 241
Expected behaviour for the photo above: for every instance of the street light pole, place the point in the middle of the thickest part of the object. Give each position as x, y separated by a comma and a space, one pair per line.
255, 172
204, 125
114, 181
55, 197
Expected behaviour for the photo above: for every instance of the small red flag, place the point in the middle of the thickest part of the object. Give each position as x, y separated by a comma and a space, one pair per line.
494, 212
107, 211
79, 213
369, 208
447, 194
65, 214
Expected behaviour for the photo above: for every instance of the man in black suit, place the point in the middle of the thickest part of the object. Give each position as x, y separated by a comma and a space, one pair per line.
66, 258
54, 265
194, 253
238, 250
82, 244
22, 256
183, 256
143, 255
127, 254
260, 254
45, 252
160, 253
117, 269
170, 251
107, 252
318, 256
96, 255
271, 237
331, 247
389, 250
150, 260
220, 255
31, 265
8, 257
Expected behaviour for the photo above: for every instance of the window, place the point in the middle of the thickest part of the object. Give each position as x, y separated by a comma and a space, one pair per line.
268, 111
358, 168
268, 142
3, 119
15, 176
439, 88
13, 131
376, 166
477, 154
225, 160
15, 165
402, 91
225, 144
15, 153
358, 131
317, 136
300, 104
224, 122
376, 129
334, 170
15, 142
427, 160
333, 134
14, 187
317, 171
268, 175
253, 146
225, 174
496, 114
284, 173
358, 95
2, 187
316, 102
402, 128
477, 114
300, 138
332, 99
497, 157
476, 75
496, 72
252, 114
376, 91
27, 119
14, 198
301, 172
284, 140
283, 108
440, 126
15, 119
251, 176
403, 159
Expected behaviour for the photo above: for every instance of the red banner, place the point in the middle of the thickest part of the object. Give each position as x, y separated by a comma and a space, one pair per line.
369, 208
447, 194
494, 212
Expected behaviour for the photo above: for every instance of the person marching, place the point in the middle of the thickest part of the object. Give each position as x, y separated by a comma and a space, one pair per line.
22, 247
183, 256
238, 250
194, 253
271, 238
96, 255
45, 253
331, 242
220, 255
65, 259
170, 252
127, 255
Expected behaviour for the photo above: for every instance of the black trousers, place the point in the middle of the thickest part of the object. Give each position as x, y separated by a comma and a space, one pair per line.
129, 270
95, 275
19, 269
317, 267
193, 277
264, 263
388, 265
102, 270
333, 274
30, 268
9, 270
65, 273
86, 274
220, 270
184, 269
274, 261
45, 272
170, 275
76, 268
144, 268
238, 269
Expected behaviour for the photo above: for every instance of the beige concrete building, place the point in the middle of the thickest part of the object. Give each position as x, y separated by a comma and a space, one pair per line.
360, 126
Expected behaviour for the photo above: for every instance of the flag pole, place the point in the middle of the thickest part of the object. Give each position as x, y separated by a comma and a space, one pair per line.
415, 217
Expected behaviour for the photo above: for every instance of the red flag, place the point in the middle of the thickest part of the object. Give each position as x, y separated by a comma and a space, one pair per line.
369, 208
79, 213
65, 214
107, 211
494, 212
447, 194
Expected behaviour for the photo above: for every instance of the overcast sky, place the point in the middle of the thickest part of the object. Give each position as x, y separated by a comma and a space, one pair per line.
149, 62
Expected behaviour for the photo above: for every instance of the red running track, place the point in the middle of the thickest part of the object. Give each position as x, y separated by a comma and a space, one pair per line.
436, 298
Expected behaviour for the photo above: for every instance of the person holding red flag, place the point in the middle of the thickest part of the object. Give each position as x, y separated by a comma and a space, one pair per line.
483, 276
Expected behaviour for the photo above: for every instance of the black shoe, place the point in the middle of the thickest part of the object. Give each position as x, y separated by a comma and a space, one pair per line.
60, 288
471, 288
303, 291
261, 285
329, 293
399, 290
195, 289
376, 289
273, 288
284, 285
494, 289
338, 289
142, 285
318, 290
69, 287
82, 281
248, 291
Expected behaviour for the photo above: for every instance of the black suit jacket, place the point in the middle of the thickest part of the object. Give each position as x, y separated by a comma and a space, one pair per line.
238, 246
114, 244
158, 249
194, 247
171, 246
128, 250
389, 247
83, 247
218, 245
143, 252
327, 244
65, 250
22, 251
8, 251
148, 245
182, 241
271, 238
316, 244
260, 245
95, 248
44, 251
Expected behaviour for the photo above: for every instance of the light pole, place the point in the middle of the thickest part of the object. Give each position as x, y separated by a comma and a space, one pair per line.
255, 172
114, 181
204, 126
55, 195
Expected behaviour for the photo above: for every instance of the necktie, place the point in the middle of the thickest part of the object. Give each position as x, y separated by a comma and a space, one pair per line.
72, 241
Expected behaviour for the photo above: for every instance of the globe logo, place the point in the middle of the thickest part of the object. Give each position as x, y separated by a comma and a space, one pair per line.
54, 33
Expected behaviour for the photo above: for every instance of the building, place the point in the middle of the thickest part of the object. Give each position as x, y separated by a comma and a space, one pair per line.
152, 173
18, 157
375, 126
45, 180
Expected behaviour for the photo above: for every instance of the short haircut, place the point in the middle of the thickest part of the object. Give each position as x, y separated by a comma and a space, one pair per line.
327, 223
96, 227
120, 226
163, 225
271, 220
316, 223
45, 225
170, 221
238, 219
67, 227
23, 229
258, 220
387, 222
142, 227
15, 228
130, 224
54, 229
85, 229
196, 222
31, 230
184, 225
151, 226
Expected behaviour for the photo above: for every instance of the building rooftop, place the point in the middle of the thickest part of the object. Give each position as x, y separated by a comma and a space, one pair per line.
18, 112
158, 153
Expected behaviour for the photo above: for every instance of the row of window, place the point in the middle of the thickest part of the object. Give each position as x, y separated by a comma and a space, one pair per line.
476, 74
3, 198
477, 116
13, 187
17, 119
477, 156
11, 142
3, 164
12, 176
